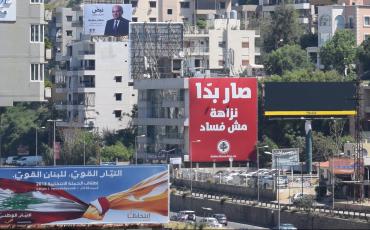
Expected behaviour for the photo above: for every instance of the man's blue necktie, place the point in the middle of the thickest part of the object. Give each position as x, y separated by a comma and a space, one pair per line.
115, 26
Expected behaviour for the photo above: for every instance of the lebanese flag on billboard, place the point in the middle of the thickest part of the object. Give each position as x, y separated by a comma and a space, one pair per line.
57, 149
222, 119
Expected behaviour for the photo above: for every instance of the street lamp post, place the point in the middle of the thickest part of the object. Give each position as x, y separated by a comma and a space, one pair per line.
36, 129
258, 169
143, 135
277, 184
191, 165
54, 121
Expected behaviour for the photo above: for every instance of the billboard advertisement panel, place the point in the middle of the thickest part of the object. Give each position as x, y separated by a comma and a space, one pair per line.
107, 19
8, 10
84, 195
309, 98
222, 119
285, 158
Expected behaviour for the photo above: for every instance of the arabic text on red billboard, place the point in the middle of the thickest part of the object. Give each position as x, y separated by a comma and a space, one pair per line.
223, 119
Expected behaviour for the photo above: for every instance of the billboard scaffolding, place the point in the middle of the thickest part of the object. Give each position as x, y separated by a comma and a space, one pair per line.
155, 48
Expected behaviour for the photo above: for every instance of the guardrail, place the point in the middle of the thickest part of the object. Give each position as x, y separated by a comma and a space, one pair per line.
341, 213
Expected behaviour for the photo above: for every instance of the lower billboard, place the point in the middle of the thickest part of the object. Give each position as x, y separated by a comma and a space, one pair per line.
84, 195
285, 158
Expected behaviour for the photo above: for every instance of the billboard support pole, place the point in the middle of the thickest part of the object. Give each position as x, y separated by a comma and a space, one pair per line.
308, 129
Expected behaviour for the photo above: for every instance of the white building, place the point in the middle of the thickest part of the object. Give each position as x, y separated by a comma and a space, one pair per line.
22, 51
222, 48
92, 77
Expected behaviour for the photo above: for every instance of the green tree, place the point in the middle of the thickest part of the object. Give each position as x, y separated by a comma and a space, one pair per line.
117, 151
363, 53
76, 144
339, 53
308, 40
283, 28
286, 58
18, 125
309, 75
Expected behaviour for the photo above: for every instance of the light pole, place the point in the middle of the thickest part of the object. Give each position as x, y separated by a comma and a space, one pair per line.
191, 165
36, 129
258, 169
54, 121
277, 184
143, 135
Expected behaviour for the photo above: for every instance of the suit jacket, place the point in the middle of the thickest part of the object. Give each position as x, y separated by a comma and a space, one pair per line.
122, 27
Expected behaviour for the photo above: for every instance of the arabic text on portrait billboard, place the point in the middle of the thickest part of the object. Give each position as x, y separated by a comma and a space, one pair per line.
8, 10
107, 19
223, 119
84, 195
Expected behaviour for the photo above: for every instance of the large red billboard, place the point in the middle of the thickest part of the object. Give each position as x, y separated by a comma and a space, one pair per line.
222, 119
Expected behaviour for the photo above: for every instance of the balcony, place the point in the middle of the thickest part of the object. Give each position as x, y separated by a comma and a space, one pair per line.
159, 121
60, 105
77, 24
86, 54
197, 51
257, 51
303, 20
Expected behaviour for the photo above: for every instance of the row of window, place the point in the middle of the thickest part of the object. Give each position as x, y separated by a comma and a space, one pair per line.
37, 1
37, 72
37, 33
153, 4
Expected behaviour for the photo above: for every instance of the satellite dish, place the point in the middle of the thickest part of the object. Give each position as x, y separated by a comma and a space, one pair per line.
181, 54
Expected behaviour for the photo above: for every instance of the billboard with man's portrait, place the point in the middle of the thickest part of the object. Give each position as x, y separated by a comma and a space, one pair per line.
107, 19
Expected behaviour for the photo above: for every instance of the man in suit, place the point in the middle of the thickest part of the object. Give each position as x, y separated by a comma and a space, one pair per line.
118, 26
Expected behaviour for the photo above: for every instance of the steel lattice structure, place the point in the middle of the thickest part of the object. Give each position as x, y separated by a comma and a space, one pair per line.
153, 47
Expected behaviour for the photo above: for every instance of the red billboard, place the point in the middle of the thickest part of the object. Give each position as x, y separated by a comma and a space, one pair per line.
222, 119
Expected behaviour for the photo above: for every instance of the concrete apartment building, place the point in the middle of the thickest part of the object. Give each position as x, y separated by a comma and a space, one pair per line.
92, 76
222, 49
354, 15
22, 51
187, 11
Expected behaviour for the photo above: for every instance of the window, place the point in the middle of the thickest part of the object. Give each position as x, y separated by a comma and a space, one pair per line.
117, 113
37, 72
134, 3
152, 19
221, 44
350, 22
118, 96
126, 2
134, 19
118, 78
197, 63
222, 5
37, 33
245, 44
152, 4
69, 33
69, 18
37, 1
185, 4
169, 11
367, 21
245, 62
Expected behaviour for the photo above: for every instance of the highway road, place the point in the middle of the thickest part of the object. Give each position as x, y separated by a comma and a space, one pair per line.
231, 225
